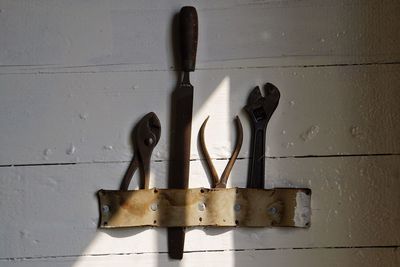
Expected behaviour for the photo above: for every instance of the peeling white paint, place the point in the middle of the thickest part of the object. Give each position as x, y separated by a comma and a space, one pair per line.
47, 152
83, 116
71, 149
302, 212
311, 133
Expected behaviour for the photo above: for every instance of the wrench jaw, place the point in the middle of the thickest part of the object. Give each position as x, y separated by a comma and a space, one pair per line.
272, 96
255, 96
259, 108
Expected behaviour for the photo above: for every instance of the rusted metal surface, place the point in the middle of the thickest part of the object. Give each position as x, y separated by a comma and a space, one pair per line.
260, 110
181, 121
221, 182
146, 135
205, 207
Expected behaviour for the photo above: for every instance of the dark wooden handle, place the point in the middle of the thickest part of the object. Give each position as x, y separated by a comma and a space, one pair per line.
188, 36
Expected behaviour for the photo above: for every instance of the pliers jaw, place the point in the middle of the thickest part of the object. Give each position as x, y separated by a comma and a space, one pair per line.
146, 135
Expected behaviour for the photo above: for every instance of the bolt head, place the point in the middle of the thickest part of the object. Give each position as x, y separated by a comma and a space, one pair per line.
237, 207
201, 206
105, 209
272, 210
154, 207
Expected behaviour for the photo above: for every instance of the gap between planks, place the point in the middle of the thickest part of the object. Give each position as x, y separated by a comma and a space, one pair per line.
170, 69
193, 160
395, 247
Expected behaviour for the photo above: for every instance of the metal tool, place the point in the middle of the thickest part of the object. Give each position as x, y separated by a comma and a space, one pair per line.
182, 122
221, 182
145, 137
260, 110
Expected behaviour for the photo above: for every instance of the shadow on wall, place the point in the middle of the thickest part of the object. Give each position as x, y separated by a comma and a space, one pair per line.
219, 93
216, 101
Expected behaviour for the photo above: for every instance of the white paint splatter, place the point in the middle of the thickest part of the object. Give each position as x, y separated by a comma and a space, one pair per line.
311, 133
24, 234
83, 116
357, 132
47, 152
290, 144
71, 149
291, 103
108, 147
283, 132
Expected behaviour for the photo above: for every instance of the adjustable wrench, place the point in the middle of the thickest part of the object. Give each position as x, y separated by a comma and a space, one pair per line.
260, 110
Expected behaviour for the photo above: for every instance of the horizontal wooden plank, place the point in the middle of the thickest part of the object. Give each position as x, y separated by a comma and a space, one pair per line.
350, 257
89, 117
53, 210
76, 33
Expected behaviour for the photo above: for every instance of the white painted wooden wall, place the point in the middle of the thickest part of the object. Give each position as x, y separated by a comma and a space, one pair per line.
76, 75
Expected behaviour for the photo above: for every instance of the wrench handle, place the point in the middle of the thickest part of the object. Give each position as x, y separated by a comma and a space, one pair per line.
188, 23
257, 161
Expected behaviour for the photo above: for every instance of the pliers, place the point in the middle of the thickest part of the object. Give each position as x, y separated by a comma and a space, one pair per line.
216, 181
145, 137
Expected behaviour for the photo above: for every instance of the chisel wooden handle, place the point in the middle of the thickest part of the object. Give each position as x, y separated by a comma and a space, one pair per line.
188, 26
